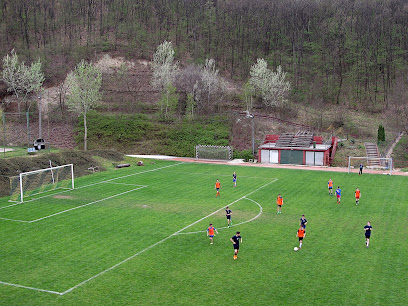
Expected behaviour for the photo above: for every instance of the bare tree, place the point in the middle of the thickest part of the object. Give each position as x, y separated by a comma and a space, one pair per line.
188, 81
248, 92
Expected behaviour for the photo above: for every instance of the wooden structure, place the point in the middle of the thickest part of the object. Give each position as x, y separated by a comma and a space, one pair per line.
302, 148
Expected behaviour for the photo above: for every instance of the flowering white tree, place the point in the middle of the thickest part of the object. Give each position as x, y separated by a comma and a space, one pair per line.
21, 80
271, 85
84, 85
210, 78
164, 70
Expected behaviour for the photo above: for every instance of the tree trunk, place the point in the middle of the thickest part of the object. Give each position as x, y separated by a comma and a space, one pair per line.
85, 133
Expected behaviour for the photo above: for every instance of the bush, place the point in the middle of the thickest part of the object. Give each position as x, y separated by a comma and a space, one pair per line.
246, 155
380, 134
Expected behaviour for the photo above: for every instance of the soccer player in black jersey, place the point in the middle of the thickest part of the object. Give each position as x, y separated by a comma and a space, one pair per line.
367, 229
235, 241
234, 179
303, 222
228, 215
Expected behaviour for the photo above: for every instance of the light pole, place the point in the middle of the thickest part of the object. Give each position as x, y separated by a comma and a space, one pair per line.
252, 116
253, 136
39, 118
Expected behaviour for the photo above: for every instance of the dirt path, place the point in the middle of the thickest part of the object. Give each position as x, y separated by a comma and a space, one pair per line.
388, 155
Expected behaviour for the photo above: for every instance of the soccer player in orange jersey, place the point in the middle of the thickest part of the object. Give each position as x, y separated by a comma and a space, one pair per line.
358, 195
218, 187
210, 233
279, 202
330, 185
301, 234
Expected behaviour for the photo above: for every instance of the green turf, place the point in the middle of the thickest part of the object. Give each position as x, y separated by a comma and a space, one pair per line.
112, 216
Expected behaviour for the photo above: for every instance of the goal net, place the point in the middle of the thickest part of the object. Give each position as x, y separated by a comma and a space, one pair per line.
380, 163
32, 183
213, 152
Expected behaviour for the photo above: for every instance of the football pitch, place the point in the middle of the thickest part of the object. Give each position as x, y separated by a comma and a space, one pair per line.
138, 236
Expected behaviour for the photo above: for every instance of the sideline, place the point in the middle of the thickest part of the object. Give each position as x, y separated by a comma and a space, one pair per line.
295, 167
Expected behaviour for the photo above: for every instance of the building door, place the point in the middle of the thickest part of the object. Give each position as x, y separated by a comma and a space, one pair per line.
265, 156
274, 156
291, 157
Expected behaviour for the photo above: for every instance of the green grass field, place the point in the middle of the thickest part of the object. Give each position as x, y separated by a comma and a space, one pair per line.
137, 236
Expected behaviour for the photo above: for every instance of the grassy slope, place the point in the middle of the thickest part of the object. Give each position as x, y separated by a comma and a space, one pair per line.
333, 266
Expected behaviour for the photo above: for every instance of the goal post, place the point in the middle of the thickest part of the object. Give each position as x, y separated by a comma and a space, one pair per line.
381, 163
31, 183
213, 152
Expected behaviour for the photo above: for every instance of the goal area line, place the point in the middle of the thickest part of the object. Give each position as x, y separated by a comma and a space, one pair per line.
146, 249
89, 185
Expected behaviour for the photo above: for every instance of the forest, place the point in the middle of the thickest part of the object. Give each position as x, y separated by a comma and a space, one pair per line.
347, 53
344, 51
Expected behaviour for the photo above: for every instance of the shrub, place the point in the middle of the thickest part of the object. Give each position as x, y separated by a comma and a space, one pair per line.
246, 155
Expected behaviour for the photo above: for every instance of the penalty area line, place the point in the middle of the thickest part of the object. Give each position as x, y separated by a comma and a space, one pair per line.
94, 202
101, 182
142, 251
161, 241
31, 288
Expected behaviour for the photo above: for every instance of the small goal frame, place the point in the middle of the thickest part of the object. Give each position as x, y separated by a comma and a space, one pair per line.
228, 149
383, 162
52, 169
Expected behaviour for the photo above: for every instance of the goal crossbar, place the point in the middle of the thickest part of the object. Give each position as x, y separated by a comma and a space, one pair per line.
53, 179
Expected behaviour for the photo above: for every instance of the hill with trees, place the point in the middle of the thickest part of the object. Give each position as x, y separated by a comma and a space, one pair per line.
347, 56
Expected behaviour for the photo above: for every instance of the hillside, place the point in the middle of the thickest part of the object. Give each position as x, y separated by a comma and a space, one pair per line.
346, 62
128, 96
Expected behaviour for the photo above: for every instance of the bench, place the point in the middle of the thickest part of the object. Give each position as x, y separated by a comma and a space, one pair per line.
122, 165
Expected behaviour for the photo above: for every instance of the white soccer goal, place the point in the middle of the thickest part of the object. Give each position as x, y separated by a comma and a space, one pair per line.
381, 163
213, 152
40, 181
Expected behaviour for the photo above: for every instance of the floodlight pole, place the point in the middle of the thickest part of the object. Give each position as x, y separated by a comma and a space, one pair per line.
28, 129
4, 133
39, 118
253, 136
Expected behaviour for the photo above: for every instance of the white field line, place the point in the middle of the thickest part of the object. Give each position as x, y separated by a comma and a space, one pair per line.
101, 182
62, 293
15, 220
11, 205
60, 193
31, 288
220, 228
227, 175
124, 184
157, 243
94, 202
